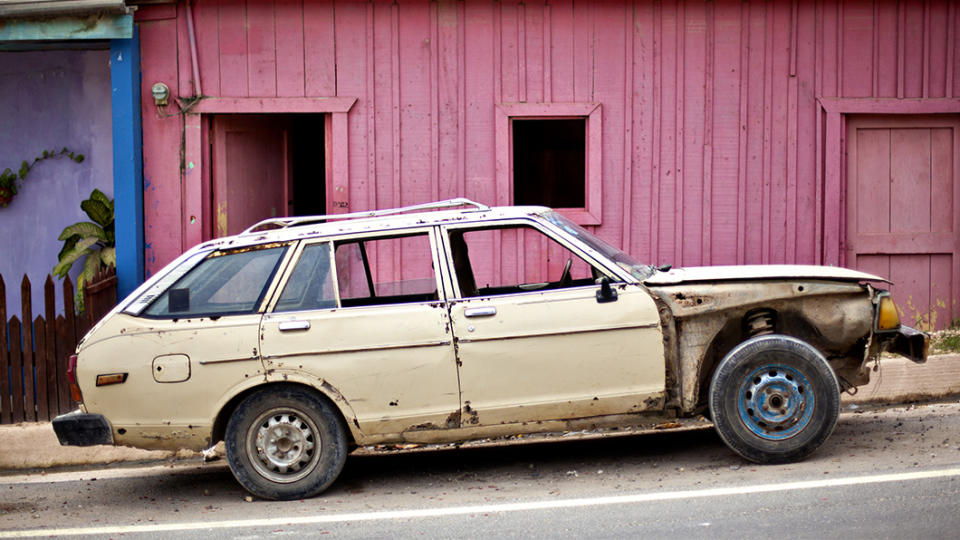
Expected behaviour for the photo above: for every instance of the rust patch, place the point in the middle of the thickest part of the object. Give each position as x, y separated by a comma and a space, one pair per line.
474, 416
453, 420
423, 427
395, 403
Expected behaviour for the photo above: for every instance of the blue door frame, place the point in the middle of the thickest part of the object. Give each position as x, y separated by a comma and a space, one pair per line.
127, 161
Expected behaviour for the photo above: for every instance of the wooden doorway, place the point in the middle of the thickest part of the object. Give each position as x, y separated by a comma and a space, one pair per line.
266, 165
903, 210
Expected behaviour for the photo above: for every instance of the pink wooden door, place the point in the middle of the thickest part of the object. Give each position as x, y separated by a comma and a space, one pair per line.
903, 211
251, 170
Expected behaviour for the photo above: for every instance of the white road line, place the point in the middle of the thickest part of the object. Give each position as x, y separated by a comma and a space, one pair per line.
489, 508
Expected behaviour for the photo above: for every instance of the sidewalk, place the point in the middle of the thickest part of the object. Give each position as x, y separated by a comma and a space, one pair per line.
35, 446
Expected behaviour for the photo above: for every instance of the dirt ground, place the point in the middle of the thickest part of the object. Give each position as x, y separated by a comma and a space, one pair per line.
35, 446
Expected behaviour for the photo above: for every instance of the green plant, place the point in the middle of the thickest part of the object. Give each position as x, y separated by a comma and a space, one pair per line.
10, 182
93, 240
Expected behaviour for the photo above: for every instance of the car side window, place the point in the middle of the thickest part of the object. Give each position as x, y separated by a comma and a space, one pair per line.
391, 270
225, 283
547, 263
311, 284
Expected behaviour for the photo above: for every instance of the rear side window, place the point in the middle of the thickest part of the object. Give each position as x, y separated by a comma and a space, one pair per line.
225, 283
392, 270
311, 284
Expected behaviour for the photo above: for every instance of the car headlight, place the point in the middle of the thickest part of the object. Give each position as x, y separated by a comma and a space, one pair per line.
887, 316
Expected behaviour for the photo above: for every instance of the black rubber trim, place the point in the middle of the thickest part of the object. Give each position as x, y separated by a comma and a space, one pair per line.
81, 429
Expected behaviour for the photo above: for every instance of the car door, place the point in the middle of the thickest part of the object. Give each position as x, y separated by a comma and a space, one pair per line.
364, 316
533, 340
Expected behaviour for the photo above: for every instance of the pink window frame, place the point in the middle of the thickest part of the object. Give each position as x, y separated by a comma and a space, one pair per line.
591, 213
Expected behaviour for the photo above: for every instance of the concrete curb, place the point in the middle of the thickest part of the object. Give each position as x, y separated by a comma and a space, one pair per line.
900, 380
35, 446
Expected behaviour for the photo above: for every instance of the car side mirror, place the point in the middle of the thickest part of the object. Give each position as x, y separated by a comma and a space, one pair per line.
606, 292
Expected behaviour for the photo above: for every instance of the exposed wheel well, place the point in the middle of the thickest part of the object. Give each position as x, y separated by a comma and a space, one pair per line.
753, 323
220, 423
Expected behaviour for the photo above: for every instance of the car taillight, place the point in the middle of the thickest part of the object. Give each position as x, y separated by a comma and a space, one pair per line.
72, 379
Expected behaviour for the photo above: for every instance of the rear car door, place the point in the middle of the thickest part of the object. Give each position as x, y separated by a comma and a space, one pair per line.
364, 315
536, 344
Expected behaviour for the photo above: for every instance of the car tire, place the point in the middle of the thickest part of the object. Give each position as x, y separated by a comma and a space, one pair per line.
285, 443
774, 399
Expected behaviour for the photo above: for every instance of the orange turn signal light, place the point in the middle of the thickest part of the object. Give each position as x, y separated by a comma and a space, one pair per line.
887, 316
111, 378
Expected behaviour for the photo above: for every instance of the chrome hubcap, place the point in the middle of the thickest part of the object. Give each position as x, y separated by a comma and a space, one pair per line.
284, 444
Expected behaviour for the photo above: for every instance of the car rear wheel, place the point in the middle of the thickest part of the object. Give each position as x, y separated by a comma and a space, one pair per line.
285, 443
774, 399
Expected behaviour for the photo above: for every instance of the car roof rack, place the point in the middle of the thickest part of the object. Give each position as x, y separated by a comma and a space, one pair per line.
284, 222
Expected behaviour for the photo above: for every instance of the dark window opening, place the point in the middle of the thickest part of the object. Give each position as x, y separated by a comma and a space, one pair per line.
308, 164
549, 162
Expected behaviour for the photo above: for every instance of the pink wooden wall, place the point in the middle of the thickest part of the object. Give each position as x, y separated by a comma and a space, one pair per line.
722, 122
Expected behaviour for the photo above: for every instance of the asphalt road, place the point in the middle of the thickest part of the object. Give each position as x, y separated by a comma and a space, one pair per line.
890, 473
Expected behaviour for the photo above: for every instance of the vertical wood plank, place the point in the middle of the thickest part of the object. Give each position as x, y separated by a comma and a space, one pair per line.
40, 357
509, 52
461, 176
547, 43
445, 176
626, 209
234, 80
561, 51
479, 60
679, 132
185, 83
290, 48
319, 48
725, 148
375, 52
63, 351
706, 162
522, 52
50, 319
6, 413
16, 370
29, 395
206, 14
261, 48
656, 66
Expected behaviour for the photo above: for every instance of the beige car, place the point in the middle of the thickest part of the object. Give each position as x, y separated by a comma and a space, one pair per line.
303, 338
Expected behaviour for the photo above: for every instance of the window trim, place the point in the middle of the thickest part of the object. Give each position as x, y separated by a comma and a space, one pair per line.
591, 213
383, 234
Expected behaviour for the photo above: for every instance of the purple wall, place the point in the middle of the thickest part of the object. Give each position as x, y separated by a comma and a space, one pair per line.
50, 99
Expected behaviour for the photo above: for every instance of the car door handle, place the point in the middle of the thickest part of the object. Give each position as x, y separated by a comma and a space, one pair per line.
480, 311
289, 326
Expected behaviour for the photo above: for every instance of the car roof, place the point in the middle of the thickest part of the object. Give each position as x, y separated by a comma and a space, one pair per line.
294, 228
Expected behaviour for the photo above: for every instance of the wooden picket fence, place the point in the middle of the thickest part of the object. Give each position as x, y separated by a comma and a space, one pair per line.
34, 350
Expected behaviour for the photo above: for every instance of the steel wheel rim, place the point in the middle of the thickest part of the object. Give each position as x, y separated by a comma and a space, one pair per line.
775, 402
283, 445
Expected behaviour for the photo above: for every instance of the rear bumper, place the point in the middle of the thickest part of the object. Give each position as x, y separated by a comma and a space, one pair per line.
907, 342
81, 429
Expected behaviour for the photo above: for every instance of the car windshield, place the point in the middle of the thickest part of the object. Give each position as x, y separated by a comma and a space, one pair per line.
628, 263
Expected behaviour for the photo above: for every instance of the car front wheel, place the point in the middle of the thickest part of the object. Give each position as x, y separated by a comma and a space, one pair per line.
774, 399
285, 443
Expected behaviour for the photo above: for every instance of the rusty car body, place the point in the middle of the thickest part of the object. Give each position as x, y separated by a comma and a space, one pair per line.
302, 338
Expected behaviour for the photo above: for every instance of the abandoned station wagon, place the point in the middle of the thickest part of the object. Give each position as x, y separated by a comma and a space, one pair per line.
302, 338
